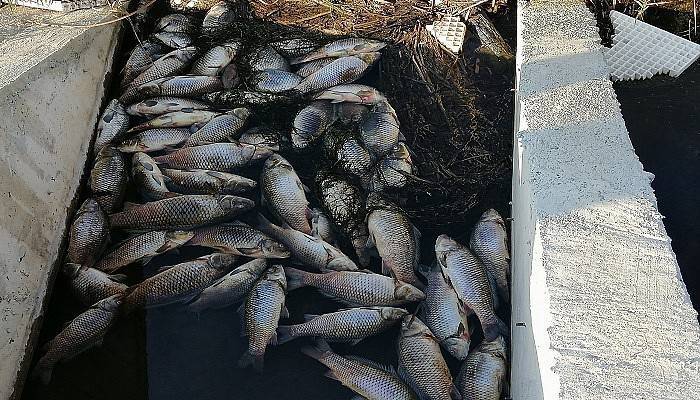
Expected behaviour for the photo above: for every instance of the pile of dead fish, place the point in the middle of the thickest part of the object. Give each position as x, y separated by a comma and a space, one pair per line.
203, 175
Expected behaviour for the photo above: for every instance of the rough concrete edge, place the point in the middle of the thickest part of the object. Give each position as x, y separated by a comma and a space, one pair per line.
35, 329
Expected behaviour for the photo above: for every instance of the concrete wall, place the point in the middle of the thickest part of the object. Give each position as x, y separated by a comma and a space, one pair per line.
51, 88
600, 310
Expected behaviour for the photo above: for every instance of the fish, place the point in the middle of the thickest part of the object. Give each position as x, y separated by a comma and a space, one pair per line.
445, 315
157, 139
141, 57
469, 278
175, 23
181, 212
421, 364
142, 248
170, 64
395, 238
283, 193
351, 93
162, 105
311, 123
112, 125
392, 171
261, 313
240, 98
261, 136
219, 18
108, 179
192, 5
353, 157
293, 47
90, 285
309, 250
356, 288
342, 48
351, 113
178, 86
204, 181
148, 178
483, 374
214, 61
180, 283
340, 71
240, 239
175, 40
369, 379
225, 157
89, 234
489, 241
230, 77
220, 128
380, 131
178, 119
322, 227
83, 332
310, 67
348, 325
231, 288
274, 81
267, 57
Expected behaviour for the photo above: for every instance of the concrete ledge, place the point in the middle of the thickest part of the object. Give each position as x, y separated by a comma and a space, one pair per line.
51, 87
600, 310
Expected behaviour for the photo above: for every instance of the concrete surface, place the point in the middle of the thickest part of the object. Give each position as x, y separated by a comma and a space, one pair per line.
600, 310
51, 87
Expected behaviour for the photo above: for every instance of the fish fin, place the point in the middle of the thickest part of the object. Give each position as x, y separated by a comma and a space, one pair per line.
121, 278
371, 363
330, 374
403, 374
295, 278
402, 138
355, 341
265, 226
249, 251
284, 313
454, 392
216, 174
237, 223
309, 317
257, 361
336, 101
284, 334
494, 329
318, 351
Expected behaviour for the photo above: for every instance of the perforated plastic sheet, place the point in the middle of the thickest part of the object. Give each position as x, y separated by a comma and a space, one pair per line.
450, 32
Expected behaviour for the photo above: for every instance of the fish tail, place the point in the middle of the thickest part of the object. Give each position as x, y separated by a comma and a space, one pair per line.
319, 351
284, 334
495, 328
256, 360
295, 278
43, 371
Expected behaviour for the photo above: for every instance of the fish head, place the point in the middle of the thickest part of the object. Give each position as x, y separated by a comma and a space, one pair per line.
496, 347
178, 238
90, 205
232, 47
369, 58
111, 303
151, 88
457, 346
412, 326
240, 112
71, 270
300, 140
401, 152
143, 160
234, 203
392, 313
444, 244
370, 45
408, 292
221, 261
274, 249
491, 215
277, 161
236, 183
276, 274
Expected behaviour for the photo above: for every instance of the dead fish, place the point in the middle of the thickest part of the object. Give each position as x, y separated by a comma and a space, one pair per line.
108, 179
370, 380
142, 248
179, 86
421, 364
395, 238
179, 283
239, 98
380, 131
274, 81
178, 119
311, 123
89, 234
351, 113
170, 64
181, 212
321, 226
469, 278
483, 374
349, 325
343, 48
353, 157
214, 61
175, 23
204, 181
356, 288
445, 315
148, 178
112, 125
240, 239
261, 313
225, 157
192, 5
220, 128
309, 250
229, 76
489, 241
310, 67
83, 332
392, 171
163, 105
141, 57
231, 288
261, 136
351, 93
90, 285
295, 47
219, 18
340, 71
175, 40
157, 139
283, 193
267, 58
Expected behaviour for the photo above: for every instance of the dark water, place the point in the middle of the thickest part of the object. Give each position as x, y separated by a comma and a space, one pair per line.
663, 117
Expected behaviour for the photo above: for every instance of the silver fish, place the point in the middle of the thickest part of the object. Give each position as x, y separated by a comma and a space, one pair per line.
220, 128
261, 136
293, 47
231, 288
353, 157
162, 105
340, 71
421, 364
310, 67
395, 238
322, 227
225, 157
240, 239
91, 285
175, 40
112, 125
219, 18
380, 131
89, 234
157, 139
261, 313
108, 179
148, 178
489, 241
141, 248
469, 278
370, 380
140, 58
351, 93
267, 58
351, 113
343, 48
349, 325
214, 61
179, 86
483, 375
230, 77
83, 332
274, 81
179, 283
175, 23
181, 212
178, 119
356, 288
239, 98
204, 181
308, 249
392, 171
192, 5
311, 123
283, 193
170, 64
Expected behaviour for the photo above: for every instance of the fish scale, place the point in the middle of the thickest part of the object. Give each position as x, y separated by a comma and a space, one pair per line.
220, 128
180, 86
141, 57
354, 158
224, 157
267, 58
339, 71
112, 125
312, 122
347, 325
231, 288
157, 139
175, 23
148, 178
215, 59
240, 239
140, 247
489, 241
108, 179
90, 285
275, 81
170, 64
310, 67
380, 131
483, 373
343, 47
203, 181
391, 171
89, 233
162, 105
283, 193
